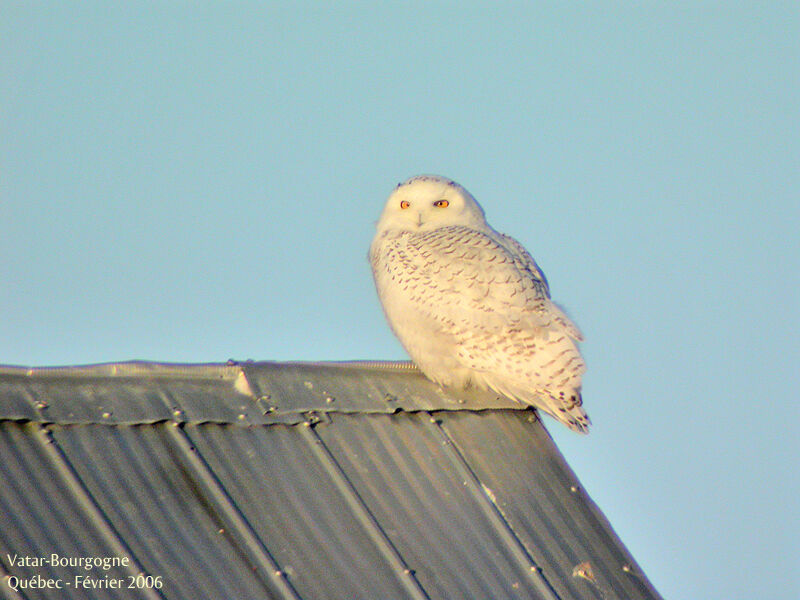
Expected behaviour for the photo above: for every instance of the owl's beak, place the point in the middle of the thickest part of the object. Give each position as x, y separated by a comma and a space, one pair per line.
419, 219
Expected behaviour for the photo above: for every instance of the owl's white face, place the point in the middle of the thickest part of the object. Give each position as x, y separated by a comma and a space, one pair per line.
428, 202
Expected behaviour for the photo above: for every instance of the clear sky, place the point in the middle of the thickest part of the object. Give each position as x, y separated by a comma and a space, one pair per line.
197, 182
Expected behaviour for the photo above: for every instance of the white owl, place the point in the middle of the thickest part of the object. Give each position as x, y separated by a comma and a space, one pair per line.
470, 305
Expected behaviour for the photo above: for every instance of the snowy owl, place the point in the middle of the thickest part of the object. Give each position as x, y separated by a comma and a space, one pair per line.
470, 305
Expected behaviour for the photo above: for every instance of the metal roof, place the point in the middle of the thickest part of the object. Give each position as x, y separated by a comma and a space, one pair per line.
291, 480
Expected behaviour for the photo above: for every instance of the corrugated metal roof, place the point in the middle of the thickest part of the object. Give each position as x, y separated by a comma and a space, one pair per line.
268, 480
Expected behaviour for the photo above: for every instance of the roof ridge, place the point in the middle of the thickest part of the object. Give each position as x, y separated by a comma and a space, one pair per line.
156, 368
246, 393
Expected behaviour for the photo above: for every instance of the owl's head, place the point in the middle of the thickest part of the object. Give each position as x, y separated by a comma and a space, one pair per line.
428, 202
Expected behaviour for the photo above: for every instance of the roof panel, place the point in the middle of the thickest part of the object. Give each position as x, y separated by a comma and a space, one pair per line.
42, 515
155, 502
295, 508
401, 469
543, 501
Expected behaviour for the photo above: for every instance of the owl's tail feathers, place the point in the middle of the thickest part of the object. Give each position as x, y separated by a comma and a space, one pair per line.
563, 405
567, 409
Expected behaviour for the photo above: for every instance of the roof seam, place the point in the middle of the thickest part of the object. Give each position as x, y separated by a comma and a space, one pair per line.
495, 517
280, 418
171, 403
86, 501
38, 406
362, 513
252, 544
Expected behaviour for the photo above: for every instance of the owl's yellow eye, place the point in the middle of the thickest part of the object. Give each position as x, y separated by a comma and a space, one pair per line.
441, 204
405, 204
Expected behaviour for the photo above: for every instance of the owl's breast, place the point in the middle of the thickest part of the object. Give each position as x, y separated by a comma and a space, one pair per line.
415, 294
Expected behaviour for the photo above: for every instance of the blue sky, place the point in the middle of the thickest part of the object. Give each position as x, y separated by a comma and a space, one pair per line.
201, 182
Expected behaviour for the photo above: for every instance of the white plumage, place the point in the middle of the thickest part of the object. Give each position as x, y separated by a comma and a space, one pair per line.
470, 305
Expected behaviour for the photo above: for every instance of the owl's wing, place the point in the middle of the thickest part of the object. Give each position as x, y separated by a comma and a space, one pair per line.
525, 259
462, 276
528, 263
